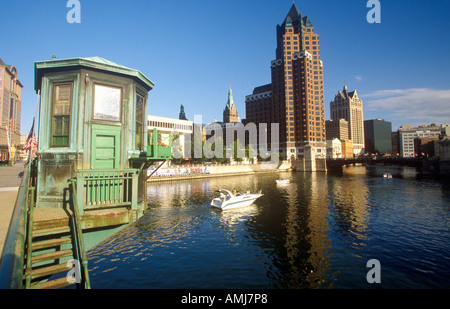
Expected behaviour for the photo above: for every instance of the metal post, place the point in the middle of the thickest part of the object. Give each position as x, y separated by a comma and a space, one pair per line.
80, 194
134, 191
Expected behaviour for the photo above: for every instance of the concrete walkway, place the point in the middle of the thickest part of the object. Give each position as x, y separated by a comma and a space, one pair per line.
10, 178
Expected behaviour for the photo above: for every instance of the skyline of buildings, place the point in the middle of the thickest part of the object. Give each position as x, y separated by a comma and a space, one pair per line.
294, 99
405, 141
341, 65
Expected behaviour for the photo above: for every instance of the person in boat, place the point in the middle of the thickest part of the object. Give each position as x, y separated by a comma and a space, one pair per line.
234, 191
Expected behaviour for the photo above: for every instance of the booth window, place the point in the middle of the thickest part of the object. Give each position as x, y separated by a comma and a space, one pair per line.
140, 122
62, 101
107, 103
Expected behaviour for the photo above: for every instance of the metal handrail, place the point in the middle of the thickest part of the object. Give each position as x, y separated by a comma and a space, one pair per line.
78, 235
12, 258
28, 269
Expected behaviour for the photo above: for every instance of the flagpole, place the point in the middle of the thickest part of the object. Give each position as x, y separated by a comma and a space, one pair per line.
30, 151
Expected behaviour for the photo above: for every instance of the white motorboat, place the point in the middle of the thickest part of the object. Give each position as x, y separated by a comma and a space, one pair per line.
228, 200
283, 181
387, 175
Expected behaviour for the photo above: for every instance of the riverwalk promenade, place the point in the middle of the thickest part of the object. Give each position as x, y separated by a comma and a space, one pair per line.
10, 178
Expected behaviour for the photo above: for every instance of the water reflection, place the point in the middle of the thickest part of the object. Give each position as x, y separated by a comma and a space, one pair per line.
233, 221
316, 232
349, 204
235, 216
304, 238
286, 229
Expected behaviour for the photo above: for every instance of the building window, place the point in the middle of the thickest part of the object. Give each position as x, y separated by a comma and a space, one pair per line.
11, 109
140, 120
107, 103
62, 102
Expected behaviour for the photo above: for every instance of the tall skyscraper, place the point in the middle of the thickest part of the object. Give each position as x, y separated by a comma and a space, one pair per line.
348, 106
230, 113
295, 97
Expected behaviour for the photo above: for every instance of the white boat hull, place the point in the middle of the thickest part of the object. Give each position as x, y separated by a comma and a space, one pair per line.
234, 201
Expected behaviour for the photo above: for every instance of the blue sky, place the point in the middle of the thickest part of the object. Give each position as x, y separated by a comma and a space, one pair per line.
192, 50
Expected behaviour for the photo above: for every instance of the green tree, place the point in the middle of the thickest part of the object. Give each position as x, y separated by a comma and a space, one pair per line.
237, 151
219, 143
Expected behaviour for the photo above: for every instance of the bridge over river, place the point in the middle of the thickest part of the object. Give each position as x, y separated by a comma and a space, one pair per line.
425, 165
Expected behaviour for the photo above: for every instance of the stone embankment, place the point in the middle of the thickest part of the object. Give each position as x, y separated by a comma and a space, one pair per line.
177, 172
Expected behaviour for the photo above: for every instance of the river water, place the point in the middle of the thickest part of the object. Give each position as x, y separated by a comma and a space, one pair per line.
319, 231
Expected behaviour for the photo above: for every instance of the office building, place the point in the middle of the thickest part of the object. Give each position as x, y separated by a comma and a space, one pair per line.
407, 134
334, 149
377, 136
347, 149
395, 144
10, 108
294, 99
167, 126
336, 129
349, 106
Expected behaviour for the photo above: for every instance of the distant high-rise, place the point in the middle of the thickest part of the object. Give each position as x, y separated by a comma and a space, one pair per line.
377, 134
230, 113
295, 98
348, 106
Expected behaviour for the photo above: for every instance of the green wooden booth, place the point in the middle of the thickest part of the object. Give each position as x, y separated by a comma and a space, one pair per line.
90, 172
92, 124
89, 178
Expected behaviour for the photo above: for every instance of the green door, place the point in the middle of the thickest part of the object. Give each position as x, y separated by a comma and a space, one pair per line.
105, 147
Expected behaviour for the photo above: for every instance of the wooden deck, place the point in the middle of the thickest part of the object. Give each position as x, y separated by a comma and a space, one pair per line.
54, 217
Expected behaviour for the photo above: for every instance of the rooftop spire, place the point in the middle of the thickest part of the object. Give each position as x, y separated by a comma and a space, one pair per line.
182, 115
230, 101
230, 113
294, 13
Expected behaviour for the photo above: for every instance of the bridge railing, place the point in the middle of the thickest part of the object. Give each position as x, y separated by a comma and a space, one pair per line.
412, 162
